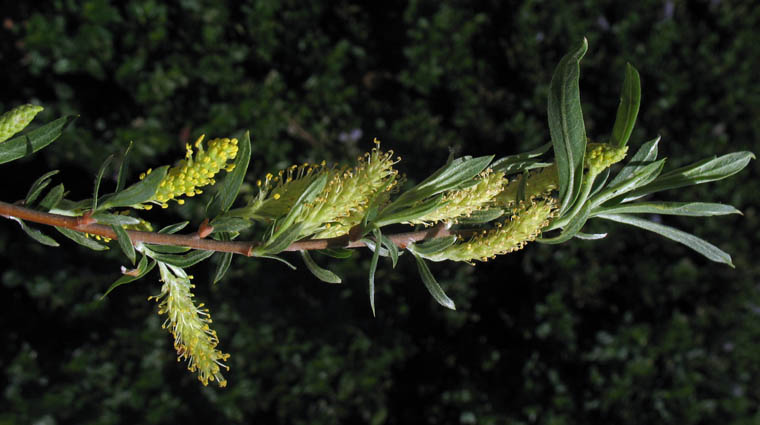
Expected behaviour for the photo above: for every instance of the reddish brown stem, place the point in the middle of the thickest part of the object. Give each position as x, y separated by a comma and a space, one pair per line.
194, 241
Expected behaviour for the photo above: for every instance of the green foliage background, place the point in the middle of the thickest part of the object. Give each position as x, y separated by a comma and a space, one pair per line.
630, 329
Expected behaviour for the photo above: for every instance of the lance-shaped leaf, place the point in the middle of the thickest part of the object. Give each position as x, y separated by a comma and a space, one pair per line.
125, 243
26, 144
36, 234
643, 157
693, 209
639, 178
52, 199
707, 170
81, 239
121, 180
703, 247
99, 177
224, 260
38, 186
568, 132
432, 285
174, 228
573, 227
322, 274
340, 253
143, 267
182, 261
628, 109
117, 219
372, 270
514, 164
433, 246
138, 193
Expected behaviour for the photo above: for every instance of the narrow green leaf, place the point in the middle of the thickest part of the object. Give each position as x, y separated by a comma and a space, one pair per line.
143, 267
341, 253
628, 110
182, 261
372, 270
639, 178
174, 228
26, 144
81, 239
391, 247
700, 172
590, 236
572, 229
322, 274
279, 243
481, 216
646, 154
230, 186
410, 213
36, 234
432, 246
37, 187
224, 260
230, 224
117, 219
122, 178
703, 247
137, 193
98, 177
432, 285
52, 198
693, 209
566, 125
168, 249
508, 163
282, 260
125, 243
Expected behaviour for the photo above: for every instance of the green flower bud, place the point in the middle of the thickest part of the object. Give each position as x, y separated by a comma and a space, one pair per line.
17, 119
600, 156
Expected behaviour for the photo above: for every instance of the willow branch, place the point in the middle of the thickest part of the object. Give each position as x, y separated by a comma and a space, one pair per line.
86, 224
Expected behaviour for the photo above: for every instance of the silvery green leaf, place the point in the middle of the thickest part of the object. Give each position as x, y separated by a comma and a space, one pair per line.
646, 154
52, 198
230, 224
117, 219
174, 228
704, 171
99, 177
37, 187
125, 243
168, 249
121, 180
432, 285
372, 270
36, 234
628, 109
137, 193
700, 245
566, 125
322, 274
693, 209
639, 178
481, 216
224, 260
341, 253
143, 267
572, 229
432, 246
81, 239
182, 261
590, 236
391, 247
26, 144
521, 162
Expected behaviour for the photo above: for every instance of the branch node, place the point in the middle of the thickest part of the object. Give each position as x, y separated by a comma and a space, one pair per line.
204, 229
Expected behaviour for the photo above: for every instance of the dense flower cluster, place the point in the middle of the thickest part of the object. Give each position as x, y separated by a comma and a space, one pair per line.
189, 324
600, 156
195, 171
463, 202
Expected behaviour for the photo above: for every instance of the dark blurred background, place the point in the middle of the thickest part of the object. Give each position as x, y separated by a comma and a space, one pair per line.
631, 329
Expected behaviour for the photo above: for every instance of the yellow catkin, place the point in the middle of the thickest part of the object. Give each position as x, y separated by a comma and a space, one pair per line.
524, 225
463, 202
189, 324
339, 206
600, 156
196, 170
538, 183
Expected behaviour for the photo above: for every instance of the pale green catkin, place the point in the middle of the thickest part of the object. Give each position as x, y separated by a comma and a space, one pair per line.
525, 224
462, 203
17, 119
538, 183
600, 156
